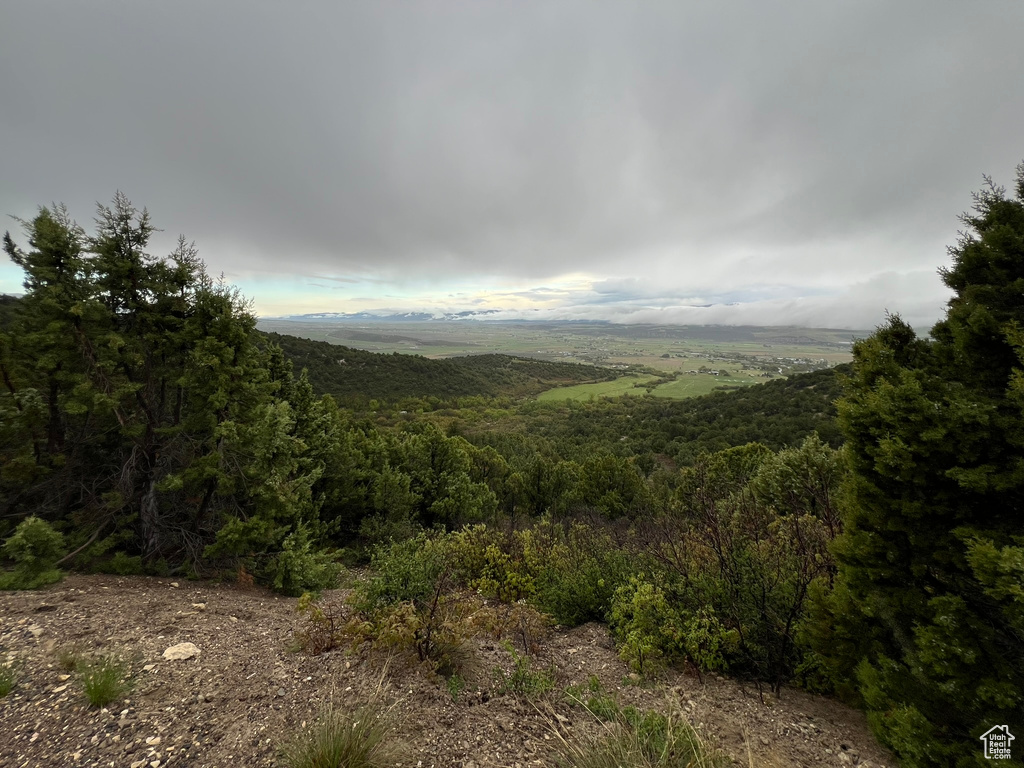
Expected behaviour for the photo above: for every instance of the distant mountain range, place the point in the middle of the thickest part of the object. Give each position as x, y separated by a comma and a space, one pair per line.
413, 317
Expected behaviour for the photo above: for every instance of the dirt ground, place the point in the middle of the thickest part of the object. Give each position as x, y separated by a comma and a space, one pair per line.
248, 690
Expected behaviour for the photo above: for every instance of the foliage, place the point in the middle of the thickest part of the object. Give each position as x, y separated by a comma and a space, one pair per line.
139, 411
343, 738
298, 568
523, 680
576, 568
35, 547
926, 612
652, 630
325, 620
745, 536
409, 603
104, 679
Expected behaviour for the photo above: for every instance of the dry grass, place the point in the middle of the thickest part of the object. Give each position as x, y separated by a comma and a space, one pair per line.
631, 739
343, 738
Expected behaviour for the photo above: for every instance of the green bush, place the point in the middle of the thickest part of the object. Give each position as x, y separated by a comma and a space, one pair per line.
342, 738
576, 571
653, 631
299, 568
482, 563
105, 679
410, 603
35, 549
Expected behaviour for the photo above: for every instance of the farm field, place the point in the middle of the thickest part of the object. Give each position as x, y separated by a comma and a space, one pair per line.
624, 385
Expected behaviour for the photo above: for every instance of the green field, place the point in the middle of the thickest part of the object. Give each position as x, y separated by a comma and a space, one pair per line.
692, 386
631, 385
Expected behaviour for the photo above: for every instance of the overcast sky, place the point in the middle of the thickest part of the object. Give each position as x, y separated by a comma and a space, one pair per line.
730, 162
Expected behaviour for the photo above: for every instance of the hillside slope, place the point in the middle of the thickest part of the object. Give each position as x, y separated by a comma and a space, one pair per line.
354, 376
246, 693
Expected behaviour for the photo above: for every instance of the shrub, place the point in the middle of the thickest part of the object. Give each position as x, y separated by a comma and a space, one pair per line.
324, 622
591, 696
299, 568
483, 565
35, 547
576, 570
410, 603
341, 738
653, 630
105, 679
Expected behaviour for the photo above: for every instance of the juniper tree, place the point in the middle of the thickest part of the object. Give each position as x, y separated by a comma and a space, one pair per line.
928, 610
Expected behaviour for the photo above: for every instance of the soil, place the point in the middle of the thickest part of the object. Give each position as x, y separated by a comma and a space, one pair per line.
248, 689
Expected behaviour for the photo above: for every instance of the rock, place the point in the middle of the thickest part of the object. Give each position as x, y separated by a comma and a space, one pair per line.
36, 630
153, 741
181, 651
281, 691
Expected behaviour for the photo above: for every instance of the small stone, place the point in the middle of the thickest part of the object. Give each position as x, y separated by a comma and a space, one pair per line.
138, 764
199, 606
153, 741
281, 691
181, 651
149, 668
36, 630
60, 689
175, 584
77, 756
62, 678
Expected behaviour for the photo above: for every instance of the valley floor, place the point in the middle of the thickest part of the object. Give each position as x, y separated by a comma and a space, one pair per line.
246, 692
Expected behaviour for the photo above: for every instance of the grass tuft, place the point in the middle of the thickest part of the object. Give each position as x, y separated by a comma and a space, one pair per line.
8, 677
346, 739
68, 658
104, 679
630, 738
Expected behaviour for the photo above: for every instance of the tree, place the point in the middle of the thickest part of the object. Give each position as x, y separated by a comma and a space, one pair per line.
928, 607
139, 411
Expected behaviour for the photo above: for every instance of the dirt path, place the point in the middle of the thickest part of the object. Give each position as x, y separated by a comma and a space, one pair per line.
246, 692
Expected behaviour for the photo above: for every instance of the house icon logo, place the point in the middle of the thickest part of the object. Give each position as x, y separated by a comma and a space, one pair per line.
997, 742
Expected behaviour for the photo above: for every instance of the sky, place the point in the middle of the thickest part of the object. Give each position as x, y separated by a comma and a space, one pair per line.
783, 163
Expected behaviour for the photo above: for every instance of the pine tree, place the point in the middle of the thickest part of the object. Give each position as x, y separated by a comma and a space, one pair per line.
929, 600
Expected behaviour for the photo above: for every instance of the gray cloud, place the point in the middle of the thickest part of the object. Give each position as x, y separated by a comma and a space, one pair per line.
774, 152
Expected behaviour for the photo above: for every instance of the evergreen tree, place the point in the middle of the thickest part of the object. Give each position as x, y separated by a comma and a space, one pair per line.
927, 611
139, 412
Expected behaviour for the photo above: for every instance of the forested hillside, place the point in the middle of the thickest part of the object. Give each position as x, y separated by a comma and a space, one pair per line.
355, 377
146, 427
